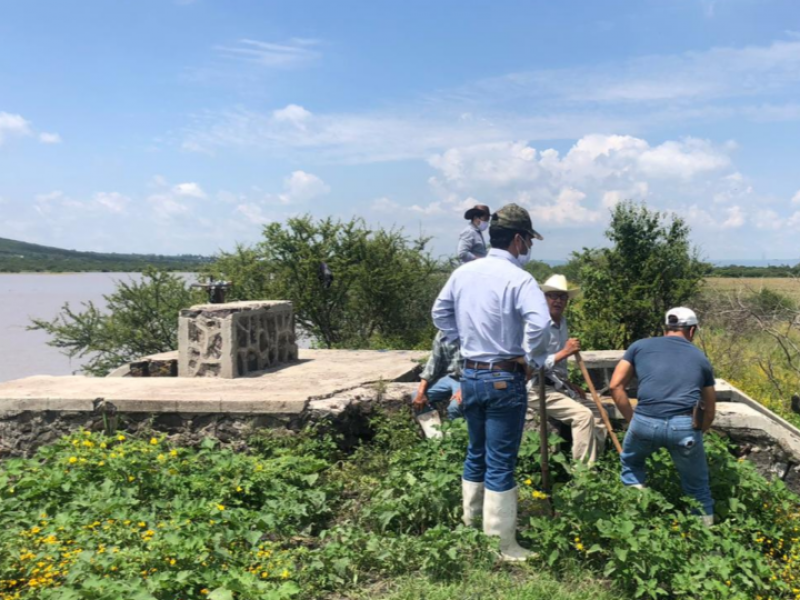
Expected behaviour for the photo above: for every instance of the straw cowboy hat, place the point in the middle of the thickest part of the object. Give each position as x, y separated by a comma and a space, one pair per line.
558, 283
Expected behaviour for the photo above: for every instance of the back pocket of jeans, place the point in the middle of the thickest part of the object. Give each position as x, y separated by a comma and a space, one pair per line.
504, 387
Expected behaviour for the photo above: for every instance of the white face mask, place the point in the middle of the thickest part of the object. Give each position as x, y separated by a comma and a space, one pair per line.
483, 225
524, 259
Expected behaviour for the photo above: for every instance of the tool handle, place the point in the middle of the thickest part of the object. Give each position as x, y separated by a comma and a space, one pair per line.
544, 448
596, 398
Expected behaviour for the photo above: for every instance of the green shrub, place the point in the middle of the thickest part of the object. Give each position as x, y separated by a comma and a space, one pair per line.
382, 289
627, 288
140, 318
650, 544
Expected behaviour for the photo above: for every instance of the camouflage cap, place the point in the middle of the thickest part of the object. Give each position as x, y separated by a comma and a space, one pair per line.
513, 216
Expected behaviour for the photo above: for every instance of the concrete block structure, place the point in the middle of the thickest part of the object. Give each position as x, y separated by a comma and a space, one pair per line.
235, 339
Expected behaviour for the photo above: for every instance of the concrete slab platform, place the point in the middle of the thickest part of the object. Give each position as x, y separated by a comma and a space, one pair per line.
283, 390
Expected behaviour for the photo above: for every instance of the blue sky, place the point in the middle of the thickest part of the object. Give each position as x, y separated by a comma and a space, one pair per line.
186, 125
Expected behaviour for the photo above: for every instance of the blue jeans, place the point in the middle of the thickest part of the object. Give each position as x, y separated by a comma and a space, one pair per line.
685, 445
494, 405
443, 390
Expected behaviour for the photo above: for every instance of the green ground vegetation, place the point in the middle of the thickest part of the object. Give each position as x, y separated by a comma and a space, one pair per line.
20, 257
104, 516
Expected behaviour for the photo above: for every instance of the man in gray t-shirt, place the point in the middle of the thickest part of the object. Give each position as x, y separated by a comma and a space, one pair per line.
675, 377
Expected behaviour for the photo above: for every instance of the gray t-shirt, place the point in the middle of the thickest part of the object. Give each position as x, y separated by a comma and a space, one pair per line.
671, 372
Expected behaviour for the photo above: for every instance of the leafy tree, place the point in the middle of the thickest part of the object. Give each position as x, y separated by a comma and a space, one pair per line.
382, 289
627, 288
540, 270
140, 318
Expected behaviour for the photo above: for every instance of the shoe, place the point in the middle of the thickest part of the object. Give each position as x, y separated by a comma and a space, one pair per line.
638, 486
472, 494
500, 520
707, 520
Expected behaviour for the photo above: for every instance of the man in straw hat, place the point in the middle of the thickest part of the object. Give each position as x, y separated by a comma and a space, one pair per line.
498, 313
471, 245
565, 401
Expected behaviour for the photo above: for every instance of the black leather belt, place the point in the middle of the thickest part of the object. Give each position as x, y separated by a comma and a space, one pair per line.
511, 366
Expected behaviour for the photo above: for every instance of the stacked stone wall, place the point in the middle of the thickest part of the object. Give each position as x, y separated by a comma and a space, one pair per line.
235, 339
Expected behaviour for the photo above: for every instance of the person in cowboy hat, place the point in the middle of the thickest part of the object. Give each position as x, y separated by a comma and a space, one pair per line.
565, 401
470, 242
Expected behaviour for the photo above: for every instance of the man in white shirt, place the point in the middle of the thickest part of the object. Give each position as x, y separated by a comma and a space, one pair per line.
565, 401
497, 312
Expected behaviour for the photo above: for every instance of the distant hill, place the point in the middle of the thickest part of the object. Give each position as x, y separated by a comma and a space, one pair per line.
16, 257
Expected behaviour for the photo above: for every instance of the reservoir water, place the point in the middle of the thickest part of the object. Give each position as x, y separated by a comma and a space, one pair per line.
25, 295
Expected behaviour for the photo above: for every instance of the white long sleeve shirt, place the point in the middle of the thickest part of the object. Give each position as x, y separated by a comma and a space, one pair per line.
495, 310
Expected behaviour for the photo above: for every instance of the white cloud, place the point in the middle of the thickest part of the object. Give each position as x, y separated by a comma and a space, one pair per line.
684, 159
49, 196
434, 208
166, 205
632, 95
292, 113
796, 198
301, 187
597, 172
253, 213
768, 219
49, 138
189, 190
293, 53
112, 201
735, 218
384, 204
12, 125
567, 209
501, 163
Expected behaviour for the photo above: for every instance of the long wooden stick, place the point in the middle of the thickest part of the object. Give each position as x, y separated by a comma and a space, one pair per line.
544, 448
596, 398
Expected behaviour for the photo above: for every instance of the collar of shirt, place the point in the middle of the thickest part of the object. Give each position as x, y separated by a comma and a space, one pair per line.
503, 255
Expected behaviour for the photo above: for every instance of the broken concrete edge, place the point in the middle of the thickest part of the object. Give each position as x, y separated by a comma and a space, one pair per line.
740, 396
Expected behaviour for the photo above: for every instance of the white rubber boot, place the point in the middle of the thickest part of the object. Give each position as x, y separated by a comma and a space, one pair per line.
472, 494
638, 486
707, 520
500, 520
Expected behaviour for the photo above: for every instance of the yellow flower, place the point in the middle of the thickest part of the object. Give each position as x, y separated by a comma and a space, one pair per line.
285, 574
579, 547
87, 433
238, 488
220, 507
539, 495
73, 460
528, 482
204, 591
131, 478
153, 441
142, 524
161, 457
173, 453
120, 438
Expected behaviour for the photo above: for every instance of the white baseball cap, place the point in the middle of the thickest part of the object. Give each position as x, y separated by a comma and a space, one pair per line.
681, 317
